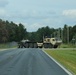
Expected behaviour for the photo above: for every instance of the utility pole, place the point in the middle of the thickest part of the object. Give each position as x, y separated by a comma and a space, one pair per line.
58, 33
67, 34
62, 34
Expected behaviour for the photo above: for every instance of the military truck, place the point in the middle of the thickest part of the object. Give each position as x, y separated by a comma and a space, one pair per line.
47, 43
27, 44
51, 42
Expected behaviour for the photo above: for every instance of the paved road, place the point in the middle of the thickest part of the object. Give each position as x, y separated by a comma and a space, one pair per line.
28, 62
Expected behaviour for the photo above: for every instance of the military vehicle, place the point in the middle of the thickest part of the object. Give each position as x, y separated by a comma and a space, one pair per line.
27, 44
47, 43
51, 42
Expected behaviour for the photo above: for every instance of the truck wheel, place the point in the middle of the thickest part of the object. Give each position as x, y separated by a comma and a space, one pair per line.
55, 46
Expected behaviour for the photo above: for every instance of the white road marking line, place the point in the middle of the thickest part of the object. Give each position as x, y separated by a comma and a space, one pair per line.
69, 73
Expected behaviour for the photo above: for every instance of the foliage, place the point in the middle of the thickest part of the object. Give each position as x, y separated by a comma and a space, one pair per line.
66, 57
10, 31
8, 45
67, 46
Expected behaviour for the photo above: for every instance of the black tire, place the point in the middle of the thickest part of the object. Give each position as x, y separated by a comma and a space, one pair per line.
27, 45
31, 45
55, 46
47, 45
35, 45
18, 46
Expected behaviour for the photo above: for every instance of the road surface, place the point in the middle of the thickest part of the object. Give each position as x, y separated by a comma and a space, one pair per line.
28, 62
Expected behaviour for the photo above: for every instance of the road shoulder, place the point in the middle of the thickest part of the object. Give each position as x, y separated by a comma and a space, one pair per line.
7, 49
68, 72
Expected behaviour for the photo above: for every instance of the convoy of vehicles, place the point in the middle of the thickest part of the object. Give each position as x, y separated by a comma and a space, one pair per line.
47, 43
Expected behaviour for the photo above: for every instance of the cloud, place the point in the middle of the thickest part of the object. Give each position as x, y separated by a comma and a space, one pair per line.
2, 12
3, 3
33, 20
69, 13
52, 12
35, 15
69, 16
33, 27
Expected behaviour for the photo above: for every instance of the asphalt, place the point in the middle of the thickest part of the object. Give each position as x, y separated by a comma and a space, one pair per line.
28, 62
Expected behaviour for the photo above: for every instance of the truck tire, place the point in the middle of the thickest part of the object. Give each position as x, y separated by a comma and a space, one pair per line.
55, 46
35, 45
31, 45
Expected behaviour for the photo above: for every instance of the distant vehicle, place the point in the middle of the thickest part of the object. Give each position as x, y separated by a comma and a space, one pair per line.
51, 42
47, 43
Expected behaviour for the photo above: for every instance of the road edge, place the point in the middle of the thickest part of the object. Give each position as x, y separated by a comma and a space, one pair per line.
6, 49
68, 72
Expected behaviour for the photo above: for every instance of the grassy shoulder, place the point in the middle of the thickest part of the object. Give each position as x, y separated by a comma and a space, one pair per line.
67, 46
66, 57
7, 45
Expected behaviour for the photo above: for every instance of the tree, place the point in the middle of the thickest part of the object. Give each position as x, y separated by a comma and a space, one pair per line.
3, 32
65, 34
70, 33
21, 32
9, 31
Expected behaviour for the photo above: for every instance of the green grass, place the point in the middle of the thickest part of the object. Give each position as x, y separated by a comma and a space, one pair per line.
67, 46
2, 46
66, 57
6, 45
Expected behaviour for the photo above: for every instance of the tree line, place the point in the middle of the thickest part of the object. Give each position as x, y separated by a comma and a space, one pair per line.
10, 31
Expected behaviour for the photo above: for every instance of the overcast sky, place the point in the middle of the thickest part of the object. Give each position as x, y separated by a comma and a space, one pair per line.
39, 13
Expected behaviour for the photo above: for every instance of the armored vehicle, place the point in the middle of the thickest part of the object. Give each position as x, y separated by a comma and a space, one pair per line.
47, 43
27, 44
51, 42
